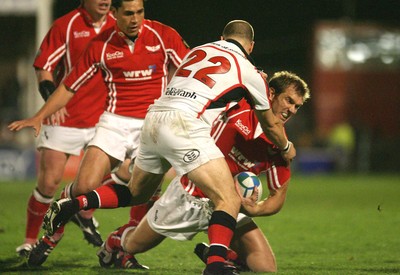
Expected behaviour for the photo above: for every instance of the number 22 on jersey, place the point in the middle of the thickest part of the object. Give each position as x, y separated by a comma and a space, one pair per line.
202, 74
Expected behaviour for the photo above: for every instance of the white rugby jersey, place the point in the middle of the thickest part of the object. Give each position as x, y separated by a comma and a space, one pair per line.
210, 77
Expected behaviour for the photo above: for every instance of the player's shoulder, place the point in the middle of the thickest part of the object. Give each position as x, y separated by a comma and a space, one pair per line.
242, 108
155, 24
159, 27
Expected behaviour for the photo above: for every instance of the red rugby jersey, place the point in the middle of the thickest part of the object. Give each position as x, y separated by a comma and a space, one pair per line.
135, 73
246, 148
60, 50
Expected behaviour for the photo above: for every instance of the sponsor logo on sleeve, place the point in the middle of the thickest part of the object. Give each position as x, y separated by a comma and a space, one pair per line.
245, 130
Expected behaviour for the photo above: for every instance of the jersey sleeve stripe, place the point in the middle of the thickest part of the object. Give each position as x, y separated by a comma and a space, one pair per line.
54, 58
273, 179
174, 57
113, 98
83, 78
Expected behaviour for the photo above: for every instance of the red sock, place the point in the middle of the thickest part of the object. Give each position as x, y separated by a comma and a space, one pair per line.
103, 197
220, 233
231, 255
137, 213
113, 241
37, 207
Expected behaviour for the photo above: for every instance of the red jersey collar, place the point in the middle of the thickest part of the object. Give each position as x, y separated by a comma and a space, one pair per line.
86, 16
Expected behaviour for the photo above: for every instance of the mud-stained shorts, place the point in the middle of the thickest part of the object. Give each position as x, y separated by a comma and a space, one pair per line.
180, 216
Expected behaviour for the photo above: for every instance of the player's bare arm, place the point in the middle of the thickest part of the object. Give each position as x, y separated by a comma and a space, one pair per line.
267, 207
59, 99
47, 88
274, 130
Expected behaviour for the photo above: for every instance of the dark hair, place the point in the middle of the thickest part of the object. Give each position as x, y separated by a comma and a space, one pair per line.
283, 79
238, 28
118, 3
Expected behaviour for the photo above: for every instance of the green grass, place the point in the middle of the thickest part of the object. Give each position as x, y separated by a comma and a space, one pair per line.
330, 224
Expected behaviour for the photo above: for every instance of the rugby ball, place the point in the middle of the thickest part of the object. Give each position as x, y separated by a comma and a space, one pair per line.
246, 182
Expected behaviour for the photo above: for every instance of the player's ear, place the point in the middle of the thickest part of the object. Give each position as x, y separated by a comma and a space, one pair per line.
271, 93
251, 47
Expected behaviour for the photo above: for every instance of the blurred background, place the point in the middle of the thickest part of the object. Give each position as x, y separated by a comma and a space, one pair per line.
348, 51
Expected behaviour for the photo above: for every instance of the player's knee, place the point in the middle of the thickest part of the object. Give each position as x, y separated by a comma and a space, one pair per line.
83, 186
232, 201
48, 187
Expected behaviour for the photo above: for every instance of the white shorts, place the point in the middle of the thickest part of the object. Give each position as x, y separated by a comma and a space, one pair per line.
181, 216
68, 140
175, 138
118, 136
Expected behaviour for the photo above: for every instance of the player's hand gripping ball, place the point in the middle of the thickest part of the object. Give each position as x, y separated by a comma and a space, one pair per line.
247, 181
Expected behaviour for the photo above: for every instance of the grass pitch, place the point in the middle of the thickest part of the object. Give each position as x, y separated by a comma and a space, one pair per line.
330, 224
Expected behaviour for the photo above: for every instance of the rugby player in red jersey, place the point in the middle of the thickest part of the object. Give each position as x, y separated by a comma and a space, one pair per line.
70, 129
135, 59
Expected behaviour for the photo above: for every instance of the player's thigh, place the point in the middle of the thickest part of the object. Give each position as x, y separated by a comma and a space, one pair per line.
253, 247
215, 180
94, 166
